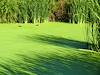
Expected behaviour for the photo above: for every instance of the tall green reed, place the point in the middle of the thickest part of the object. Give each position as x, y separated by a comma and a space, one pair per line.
88, 11
24, 11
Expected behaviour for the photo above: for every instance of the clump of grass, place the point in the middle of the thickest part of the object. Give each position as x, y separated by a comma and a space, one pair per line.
88, 11
24, 11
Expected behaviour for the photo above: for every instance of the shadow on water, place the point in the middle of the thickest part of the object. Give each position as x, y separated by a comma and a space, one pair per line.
38, 63
59, 41
52, 64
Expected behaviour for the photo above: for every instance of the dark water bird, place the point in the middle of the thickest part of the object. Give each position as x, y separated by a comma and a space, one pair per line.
19, 26
37, 24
